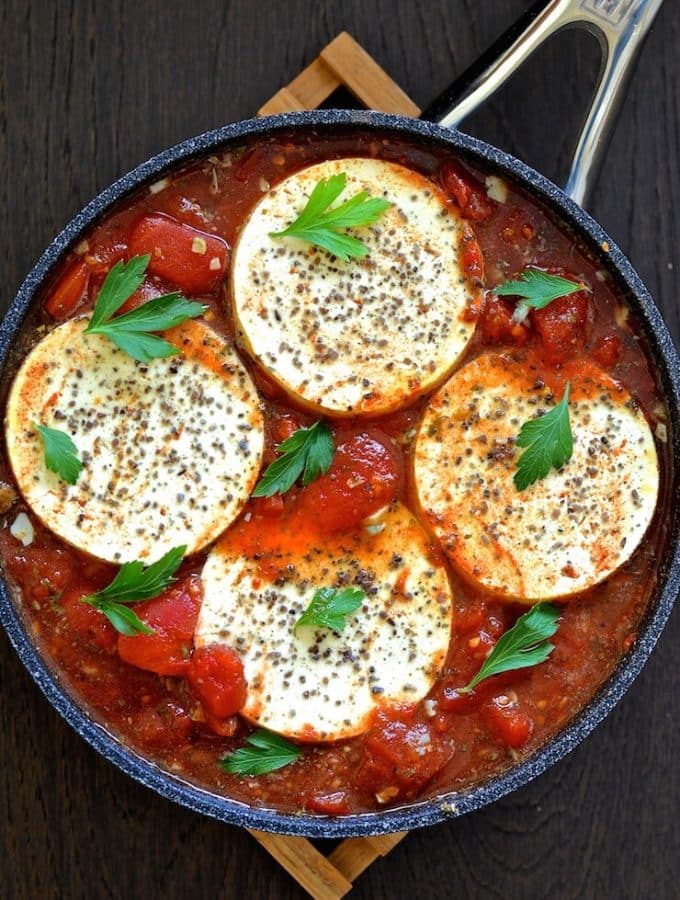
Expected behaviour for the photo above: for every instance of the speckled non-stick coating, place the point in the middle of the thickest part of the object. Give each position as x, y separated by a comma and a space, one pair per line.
425, 812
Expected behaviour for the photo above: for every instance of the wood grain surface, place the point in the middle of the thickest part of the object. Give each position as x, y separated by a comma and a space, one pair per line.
89, 88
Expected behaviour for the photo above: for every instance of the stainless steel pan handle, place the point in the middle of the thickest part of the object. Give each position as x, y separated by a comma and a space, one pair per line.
619, 25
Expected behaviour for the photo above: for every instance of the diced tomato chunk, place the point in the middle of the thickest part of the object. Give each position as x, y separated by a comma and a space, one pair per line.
226, 727
193, 260
216, 676
172, 616
147, 290
498, 325
469, 195
400, 757
562, 326
102, 257
84, 619
365, 475
69, 292
282, 424
335, 803
607, 350
507, 722
43, 571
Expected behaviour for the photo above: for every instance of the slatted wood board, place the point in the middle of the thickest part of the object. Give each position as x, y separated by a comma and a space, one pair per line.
341, 64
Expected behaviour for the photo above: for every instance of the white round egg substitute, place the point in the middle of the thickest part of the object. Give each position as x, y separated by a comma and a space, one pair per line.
171, 449
310, 683
368, 335
564, 533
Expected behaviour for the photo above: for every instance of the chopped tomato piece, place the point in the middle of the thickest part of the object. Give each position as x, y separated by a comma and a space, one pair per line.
103, 257
88, 622
193, 260
365, 475
223, 727
562, 326
607, 350
400, 757
335, 803
507, 722
186, 210
280, 425
69, 292
42, 571
498, 326
216, 677
469, 195
172, 616
147, 290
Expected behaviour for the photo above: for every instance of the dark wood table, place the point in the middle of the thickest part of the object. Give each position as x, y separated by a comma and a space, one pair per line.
88, 90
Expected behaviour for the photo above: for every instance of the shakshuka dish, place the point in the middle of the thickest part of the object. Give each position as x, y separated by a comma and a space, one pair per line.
334, 473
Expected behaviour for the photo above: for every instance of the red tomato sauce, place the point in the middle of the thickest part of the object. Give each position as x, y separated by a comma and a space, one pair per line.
179, 706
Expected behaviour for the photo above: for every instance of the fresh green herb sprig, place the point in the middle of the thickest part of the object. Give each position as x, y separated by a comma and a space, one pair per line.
61, 454
330, 607
525, 644
319, 225
547, 442
536, 289
265, 753
135, 582
131, 331
307, 452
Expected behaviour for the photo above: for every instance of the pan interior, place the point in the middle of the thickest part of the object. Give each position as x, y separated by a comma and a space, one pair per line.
660, 349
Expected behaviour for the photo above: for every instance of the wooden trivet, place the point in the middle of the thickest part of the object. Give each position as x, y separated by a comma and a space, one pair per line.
343, 63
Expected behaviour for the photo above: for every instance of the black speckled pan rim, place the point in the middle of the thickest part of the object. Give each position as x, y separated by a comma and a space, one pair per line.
423, 812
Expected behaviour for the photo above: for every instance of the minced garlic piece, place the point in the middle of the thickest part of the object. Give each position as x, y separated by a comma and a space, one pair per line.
22, 529
496, 188
159, 186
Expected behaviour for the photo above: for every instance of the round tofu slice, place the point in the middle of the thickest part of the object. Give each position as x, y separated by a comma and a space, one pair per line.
170, 449
564, 533
311, 683
364, 336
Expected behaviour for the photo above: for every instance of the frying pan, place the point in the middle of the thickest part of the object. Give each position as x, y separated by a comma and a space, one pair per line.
619, 25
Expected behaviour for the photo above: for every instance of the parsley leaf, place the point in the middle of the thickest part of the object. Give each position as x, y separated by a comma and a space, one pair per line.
130, 331
525, 644
134, 582
123, 619
536, 288
61, 454
307, 452
330, 607
120, 284
547, 441
319, 225
266, 753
